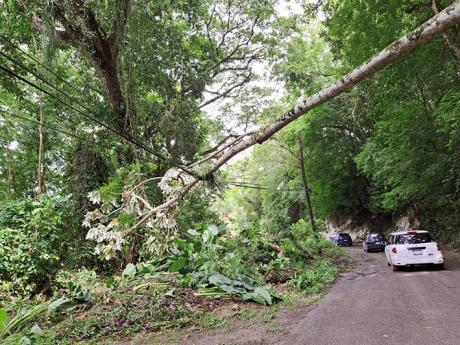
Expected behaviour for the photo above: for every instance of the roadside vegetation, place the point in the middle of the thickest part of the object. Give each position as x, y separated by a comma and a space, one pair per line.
210, 268
119, 212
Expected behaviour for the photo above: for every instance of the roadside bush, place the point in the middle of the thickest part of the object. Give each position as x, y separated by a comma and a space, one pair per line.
34, 242
314, 279
17, 266
209, 249
300, 243
83, 277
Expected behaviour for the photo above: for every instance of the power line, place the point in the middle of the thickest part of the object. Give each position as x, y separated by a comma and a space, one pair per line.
10, 114
47, 82
31, 57
243, 185
121, 133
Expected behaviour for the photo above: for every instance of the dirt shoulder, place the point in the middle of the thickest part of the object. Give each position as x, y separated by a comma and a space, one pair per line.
238, 324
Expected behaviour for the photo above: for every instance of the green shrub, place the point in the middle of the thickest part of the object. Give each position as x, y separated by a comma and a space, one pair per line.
314, 279
84, 277
34, 242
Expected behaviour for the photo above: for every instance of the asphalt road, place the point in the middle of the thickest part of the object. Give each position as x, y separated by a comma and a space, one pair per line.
375, 306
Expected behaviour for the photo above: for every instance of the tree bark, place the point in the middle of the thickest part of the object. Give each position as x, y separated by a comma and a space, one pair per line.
305, 186
41, 153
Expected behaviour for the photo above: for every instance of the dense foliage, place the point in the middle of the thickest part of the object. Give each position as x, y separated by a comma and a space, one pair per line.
383, 151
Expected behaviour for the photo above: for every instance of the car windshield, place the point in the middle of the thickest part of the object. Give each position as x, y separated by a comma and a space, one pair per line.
344, 235
413, 238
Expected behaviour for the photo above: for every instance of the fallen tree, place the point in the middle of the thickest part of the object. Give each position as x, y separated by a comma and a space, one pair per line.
176, 183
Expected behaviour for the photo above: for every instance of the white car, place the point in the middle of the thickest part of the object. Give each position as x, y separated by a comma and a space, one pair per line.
413, 247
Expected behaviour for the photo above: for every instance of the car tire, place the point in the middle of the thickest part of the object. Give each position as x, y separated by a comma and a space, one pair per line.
440, 267
365, 250
395, 268
388, 264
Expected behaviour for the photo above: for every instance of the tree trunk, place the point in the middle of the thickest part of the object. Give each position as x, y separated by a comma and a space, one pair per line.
305, 186
41, 153
85, 33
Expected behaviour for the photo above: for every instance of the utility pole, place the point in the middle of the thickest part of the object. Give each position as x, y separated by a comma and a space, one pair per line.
305, 185
41, 153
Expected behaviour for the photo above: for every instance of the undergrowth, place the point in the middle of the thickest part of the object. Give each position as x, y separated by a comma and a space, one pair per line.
210, 270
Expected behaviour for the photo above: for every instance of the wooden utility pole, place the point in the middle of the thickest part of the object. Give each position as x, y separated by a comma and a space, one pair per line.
305, 185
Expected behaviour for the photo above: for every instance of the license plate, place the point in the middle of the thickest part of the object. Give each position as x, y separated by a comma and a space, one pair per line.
377, 242
417, 252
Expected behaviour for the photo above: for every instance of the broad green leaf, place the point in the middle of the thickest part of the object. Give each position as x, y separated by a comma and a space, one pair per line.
218, 279
264, 294
129, 271
177, 265
36, 329
59, 304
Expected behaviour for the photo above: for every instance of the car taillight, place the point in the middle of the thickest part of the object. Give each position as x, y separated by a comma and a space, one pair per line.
394, 250
439, 247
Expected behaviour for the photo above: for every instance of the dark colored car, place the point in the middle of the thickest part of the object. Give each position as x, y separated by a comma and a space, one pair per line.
374, 242
343, 239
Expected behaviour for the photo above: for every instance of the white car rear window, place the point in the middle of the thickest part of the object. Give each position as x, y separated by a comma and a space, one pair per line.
413, 238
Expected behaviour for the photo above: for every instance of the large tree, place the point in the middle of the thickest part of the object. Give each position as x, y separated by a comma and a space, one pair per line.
176, 184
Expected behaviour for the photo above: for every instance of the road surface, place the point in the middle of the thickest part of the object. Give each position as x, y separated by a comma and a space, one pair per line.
375, 306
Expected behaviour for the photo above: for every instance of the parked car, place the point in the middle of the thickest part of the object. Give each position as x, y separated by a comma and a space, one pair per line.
374, 242
413, 247
342, 239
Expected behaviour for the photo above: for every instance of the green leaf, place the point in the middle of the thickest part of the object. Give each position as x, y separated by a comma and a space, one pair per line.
259, 295
181, 244
169, 293
218, 279
3, 318
25, 341
129, 271
193, 232
264, 294
230, 289
126, 218
60, 303
177, 265
110, 282
36, 329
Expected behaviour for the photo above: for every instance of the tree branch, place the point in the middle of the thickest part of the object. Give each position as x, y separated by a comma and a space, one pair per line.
407, 44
